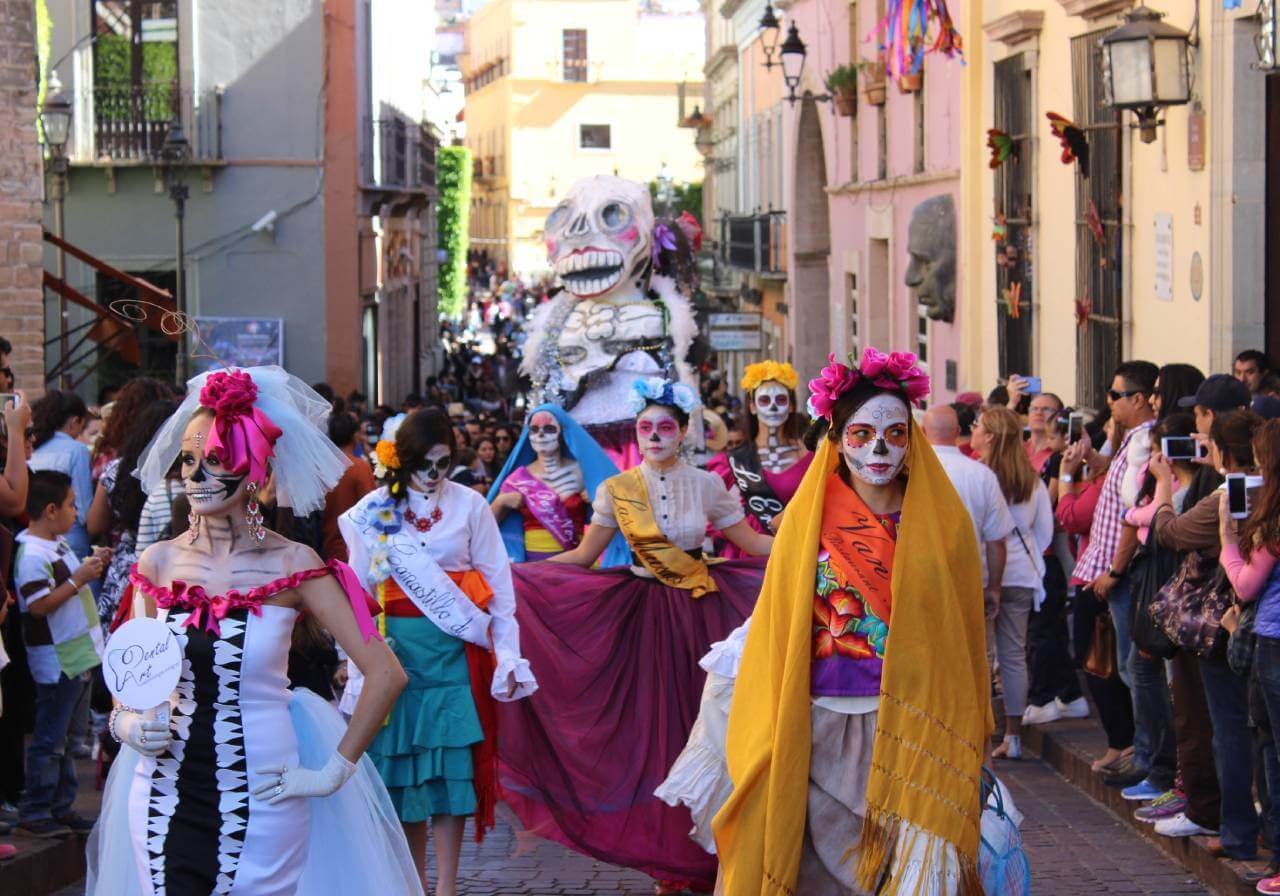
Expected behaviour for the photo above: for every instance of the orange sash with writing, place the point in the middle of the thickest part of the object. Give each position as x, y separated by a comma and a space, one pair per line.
859, 545
668, 563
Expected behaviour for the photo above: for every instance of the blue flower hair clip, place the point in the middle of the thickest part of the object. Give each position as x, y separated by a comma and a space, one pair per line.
659, 391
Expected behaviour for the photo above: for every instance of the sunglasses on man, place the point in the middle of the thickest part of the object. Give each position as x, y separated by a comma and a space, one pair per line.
1128, 393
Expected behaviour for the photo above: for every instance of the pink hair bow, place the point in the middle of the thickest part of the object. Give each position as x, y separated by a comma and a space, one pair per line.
242, 435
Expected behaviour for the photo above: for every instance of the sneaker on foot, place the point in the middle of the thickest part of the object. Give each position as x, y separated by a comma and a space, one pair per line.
44, 827
1181, 826
7, 851
1076, 709
1269, 884
1041, 715
1166, 805
1143, 790
76, 823
1125, 776
81, 751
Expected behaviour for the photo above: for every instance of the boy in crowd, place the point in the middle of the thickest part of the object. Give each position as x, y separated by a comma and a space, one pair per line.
64, 643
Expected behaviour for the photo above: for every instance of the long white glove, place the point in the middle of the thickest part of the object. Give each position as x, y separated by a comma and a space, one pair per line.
285, 782
149, 736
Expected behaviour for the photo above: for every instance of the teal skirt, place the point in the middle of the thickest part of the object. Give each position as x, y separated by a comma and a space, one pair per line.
423, 753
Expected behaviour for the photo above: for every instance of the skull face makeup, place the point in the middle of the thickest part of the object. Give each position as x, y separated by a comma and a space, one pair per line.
544, 435
431, 478
600, 235
212, 489
772, 403
658, 434
874, 441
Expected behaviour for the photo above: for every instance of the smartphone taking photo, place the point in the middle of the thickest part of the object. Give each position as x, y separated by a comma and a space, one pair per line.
1238, 496
1182, 448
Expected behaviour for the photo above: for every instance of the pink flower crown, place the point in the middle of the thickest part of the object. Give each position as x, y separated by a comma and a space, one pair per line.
896, 370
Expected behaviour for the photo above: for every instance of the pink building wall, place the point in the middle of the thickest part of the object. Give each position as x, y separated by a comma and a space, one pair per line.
869, 215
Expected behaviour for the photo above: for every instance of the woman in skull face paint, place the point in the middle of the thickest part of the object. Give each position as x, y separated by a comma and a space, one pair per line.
876, 541
617, 653
432, 552
766, 471
236, 788
542, 496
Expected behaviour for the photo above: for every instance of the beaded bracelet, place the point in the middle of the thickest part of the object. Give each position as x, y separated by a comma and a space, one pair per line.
111, 721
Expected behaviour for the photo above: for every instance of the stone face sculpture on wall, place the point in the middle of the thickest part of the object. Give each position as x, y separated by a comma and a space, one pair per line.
931, 245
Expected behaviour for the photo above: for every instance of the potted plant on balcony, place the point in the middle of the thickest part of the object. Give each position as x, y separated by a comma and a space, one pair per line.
842, 84
873, 90
913, 81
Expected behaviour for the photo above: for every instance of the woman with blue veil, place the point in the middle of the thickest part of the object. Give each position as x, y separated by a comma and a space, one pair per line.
542, 497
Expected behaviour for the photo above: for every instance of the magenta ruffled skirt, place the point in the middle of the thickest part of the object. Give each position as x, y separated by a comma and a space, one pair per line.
616, 657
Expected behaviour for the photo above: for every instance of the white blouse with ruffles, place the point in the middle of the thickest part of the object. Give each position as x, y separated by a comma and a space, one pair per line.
684, 500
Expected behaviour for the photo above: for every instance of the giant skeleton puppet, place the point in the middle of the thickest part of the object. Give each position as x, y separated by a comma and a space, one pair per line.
621, 313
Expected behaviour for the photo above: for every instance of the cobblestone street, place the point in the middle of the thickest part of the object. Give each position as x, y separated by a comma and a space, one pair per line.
1076, 848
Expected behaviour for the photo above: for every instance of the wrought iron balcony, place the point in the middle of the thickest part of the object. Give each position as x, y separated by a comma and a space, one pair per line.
128, 122
754, 242
398, 153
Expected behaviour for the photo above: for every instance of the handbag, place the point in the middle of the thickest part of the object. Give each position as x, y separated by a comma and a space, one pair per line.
1189, 607
1100, 660
1243, 640
1002, 861
1151, 568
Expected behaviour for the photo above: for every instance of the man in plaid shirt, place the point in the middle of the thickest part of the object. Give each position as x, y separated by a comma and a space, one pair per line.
1111, 546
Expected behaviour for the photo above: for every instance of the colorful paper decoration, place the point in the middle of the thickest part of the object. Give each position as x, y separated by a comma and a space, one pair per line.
906, 28
1075, 145
1001, 146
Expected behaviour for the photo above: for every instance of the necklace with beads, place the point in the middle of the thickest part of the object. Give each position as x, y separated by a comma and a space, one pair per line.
422, 524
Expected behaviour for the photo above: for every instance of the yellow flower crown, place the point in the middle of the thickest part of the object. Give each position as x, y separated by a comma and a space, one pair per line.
386, 454
764, 371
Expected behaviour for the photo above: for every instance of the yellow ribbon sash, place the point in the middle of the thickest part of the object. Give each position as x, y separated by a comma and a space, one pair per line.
668, 563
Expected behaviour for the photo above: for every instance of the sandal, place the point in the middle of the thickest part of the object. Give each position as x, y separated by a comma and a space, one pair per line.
1105, 766
1010, 748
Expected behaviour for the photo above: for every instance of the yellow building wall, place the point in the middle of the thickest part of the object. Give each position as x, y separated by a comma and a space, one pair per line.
635, 66
1156, 180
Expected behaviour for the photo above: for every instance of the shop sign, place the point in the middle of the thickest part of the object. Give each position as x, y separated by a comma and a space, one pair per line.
737, 332
1164, 257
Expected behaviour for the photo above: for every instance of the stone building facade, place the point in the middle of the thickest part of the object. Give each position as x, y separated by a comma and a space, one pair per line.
21, 191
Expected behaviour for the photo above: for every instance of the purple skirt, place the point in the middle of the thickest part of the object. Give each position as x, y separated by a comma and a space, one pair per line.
616, 657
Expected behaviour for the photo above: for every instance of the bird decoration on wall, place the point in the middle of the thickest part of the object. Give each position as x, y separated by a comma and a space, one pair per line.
1012, 298
1084, 308
905, 29
1001, 146
1075, 145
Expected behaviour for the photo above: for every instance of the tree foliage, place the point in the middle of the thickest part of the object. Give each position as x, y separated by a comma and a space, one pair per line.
453, 223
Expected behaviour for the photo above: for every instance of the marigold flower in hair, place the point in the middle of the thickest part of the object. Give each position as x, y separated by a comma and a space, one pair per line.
765, 371
385, 458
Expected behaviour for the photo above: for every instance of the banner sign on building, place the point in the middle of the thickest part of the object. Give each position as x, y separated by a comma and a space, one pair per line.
735, 332
238, 342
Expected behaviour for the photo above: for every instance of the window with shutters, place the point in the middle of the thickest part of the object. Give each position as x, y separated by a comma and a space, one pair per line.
1099, 201
1012, 230
575, 54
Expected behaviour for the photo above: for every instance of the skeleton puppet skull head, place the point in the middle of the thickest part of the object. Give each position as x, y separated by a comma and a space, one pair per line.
600, 235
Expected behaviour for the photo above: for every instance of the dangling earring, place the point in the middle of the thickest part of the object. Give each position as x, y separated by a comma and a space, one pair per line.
193, 527
254, 514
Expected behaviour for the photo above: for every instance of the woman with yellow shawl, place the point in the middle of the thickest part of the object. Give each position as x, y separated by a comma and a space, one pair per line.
857, 729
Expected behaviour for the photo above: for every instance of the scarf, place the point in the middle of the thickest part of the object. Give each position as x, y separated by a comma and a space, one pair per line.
934, 704
668, 563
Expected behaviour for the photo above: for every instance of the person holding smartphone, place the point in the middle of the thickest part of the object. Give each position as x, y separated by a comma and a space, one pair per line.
1197, 531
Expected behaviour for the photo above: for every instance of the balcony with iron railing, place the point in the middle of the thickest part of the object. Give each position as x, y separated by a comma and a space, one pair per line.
126, 124
398, 154
755, 243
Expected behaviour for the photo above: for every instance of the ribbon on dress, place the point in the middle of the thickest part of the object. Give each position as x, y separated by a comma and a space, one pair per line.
668, 563
545, 505
761, 501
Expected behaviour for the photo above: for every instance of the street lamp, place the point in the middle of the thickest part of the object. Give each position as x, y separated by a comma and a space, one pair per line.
793, 55
1147, 67
55, 123
770, 31
175, 154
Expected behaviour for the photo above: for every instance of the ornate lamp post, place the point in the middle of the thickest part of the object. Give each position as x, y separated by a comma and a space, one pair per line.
175, 154
770, 31
1147, 67
55, 122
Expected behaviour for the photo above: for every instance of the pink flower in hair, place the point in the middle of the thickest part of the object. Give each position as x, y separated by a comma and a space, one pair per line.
229, 393
873, 363
835, 380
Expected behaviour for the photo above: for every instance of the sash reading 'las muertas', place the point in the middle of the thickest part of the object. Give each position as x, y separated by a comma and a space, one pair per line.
668, 563
859, 545
761, 500
545, 505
